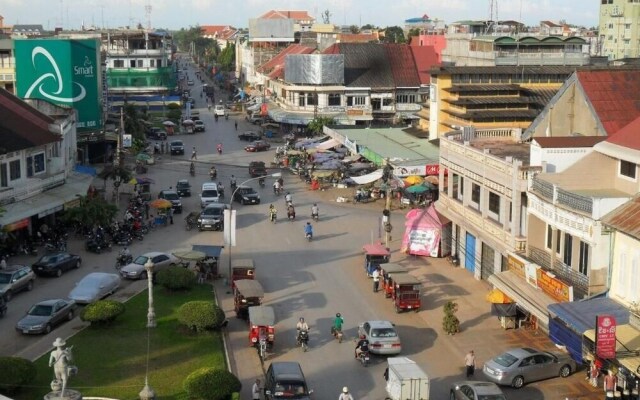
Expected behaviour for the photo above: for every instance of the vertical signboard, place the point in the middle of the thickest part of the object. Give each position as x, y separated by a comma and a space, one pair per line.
606, 336
64, 72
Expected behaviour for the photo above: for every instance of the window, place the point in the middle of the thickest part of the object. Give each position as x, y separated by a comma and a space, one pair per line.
583, 265
628, 169
549, 237
152, 63
475, 193
159, 63
132, 63
311, 99
566, 257
558, 236
118, 63
140, 63
455, 186
35, 164
356, 101
406, 98
301, 99
4, 179
635, 269
494, 203
14, 170
334, 99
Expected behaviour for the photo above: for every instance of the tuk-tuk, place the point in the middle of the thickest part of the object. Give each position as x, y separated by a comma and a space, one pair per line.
386, 273
374, 255
406, 292
262, 333
242, 269
247, 293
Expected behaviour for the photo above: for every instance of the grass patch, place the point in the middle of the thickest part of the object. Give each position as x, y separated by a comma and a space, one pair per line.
112, 360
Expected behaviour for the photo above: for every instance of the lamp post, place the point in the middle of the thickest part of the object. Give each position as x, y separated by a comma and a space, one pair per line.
151, 314
231, 242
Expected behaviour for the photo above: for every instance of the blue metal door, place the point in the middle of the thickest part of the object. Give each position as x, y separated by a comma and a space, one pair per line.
470, 253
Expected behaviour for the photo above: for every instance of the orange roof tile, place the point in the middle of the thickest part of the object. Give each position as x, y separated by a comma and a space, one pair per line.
297, 15
213, 29
629, 136
425, 58
277, 62
358, 38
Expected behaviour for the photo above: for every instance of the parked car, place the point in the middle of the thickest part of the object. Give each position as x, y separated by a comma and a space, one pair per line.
257, 145
156, 133
42, 317
257, 168
190, 82
246, 195
475, 390
174, 198
518, 366
95, 286
255, 117
135, 270
183, 188
15, 279
249, 136
382, 336
56, 263
177, 147
212, 217
199, 126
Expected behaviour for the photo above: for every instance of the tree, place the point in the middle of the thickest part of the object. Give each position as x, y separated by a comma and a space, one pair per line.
113, 172
450, 323
354, 29
227, 57
413, 32
367, 27
326, 17
211, 384
394, 34
317, 124
133, 124
91, 211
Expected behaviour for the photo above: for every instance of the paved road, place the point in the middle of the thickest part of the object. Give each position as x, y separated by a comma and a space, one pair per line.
310, 279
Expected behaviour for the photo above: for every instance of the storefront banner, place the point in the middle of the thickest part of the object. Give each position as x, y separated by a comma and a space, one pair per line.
554, 287
402, 171
606, 336
23, 223
422, 241
531, 274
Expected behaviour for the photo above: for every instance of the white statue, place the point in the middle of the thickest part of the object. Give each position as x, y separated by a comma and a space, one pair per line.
60, 359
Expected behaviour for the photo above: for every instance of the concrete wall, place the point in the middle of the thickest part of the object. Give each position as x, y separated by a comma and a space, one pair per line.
625, 269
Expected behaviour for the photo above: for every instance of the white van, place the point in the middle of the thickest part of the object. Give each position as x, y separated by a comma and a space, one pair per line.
209, 194
219, 110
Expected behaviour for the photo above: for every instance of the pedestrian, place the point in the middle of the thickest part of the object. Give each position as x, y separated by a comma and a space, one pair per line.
236, 124
255, 390
610, 382
376, 279
3, 264
170, 212
194, 154
162, 148
594, 372
345, 395
386, 374
470, 363
146, 210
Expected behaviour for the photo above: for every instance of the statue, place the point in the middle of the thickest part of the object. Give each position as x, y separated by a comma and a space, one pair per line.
60, 359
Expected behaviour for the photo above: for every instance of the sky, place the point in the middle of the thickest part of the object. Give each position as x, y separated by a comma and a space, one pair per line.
176, 14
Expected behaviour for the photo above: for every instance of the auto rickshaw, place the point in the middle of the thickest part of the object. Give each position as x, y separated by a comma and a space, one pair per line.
406, 292
247, 293
374, 255
262, 321
242, 269
386, 273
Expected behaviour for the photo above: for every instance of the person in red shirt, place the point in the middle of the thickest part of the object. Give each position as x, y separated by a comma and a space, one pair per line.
610, 382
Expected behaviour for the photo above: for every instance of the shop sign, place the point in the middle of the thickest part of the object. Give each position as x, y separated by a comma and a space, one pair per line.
433, 169
531, 274
351, 146
355, 112
23, 223
554, 287
263, 109
516, 265
408, 170
50, 211
72, 204
127, 140
606, 336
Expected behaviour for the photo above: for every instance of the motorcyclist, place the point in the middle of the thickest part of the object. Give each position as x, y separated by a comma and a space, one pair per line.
192, 168
362, 346
308, 230
125, 253
291, 212
219, 148
221, 189
233, 182
213, 172
288, 198
276, 187
337, 323
272, 212
261, 181
314, 211
301, 326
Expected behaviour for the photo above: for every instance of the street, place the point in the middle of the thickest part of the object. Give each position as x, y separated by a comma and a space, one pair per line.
313, 280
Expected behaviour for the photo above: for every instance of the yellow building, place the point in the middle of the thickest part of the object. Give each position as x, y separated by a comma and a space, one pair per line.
490, 97
619, 29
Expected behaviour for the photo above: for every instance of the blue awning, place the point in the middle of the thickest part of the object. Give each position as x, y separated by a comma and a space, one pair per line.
580, 316
210, 251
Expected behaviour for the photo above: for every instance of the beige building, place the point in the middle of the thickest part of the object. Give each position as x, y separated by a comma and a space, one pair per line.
619, 29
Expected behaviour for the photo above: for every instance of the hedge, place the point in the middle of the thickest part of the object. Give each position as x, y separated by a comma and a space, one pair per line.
15, 372
211, 384
102, 311
176, 278
201, 315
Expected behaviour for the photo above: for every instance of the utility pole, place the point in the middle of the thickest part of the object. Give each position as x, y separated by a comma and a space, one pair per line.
386, 213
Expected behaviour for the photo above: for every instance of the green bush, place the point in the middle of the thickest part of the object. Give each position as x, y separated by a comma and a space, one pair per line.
174, 114
176, 278
15, 372
201, 315
450, 323
211, 384
102, 311
173, 106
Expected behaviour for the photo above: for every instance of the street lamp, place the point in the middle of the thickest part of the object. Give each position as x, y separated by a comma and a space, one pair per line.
274, 175
151, 314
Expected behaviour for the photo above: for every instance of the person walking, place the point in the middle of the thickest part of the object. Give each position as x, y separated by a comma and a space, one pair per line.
610, 382
470, 363
376, 279
255, 390
345, 395
194, 153
236, 124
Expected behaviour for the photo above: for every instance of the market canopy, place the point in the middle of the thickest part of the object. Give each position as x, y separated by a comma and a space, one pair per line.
210, 251
364, 179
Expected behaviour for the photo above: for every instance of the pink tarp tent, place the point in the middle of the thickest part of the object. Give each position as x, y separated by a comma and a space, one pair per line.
423, 232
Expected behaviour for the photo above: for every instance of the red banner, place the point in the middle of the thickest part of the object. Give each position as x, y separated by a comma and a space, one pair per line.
606, 336
263, 110
433, 169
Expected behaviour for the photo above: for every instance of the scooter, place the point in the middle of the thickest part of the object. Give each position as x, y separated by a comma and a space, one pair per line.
123, 260
261, 182
363, 357
273, 217
219, 150
314, 216
337, 333
302, 340
213, 173
309, 236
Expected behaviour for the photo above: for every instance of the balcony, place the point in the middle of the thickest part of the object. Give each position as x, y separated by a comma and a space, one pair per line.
542, 59
32, 187
564, 272
412, 107
137, 53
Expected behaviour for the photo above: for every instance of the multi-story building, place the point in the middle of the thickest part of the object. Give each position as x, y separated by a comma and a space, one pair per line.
37, 159
619, 29
7, 65
223, 34
32, 30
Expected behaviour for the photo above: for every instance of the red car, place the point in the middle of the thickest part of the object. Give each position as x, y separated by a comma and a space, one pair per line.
258, 145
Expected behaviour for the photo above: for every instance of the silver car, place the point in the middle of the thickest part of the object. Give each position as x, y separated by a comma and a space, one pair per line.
43, 316
94, 287
516, 367
382, 336
475, 390
14, 279
136, 270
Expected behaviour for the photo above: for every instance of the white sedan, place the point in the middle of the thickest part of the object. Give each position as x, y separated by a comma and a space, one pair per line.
95, 286
136, 270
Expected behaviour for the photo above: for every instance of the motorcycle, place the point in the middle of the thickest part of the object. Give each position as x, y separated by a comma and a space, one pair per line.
123, 259
314, 216
291, 214
261, 182
363, 357
219, 148
273, 217
96, 245
302, 340
122, 238
213, 173
220, 190
277, 190
192, 170
309, 236
337, 333
234, 186
55, 246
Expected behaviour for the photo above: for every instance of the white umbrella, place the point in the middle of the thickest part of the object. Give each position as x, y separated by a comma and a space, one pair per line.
168, 123
187, 122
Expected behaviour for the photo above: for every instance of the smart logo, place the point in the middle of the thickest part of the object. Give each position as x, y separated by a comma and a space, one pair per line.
57, 78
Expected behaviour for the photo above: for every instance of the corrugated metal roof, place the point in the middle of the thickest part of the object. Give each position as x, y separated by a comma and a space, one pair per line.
277, 62
557, 142
484, 114
425, 58
625, 218
365, 65
508, 87
22, 126
403, 65
358, 38
293, 14
614, 95
629, 136
490, 100
505, 69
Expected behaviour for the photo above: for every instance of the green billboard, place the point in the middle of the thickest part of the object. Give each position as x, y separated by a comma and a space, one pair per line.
64, 72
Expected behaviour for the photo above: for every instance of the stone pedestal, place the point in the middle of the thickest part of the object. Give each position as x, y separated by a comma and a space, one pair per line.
69, 394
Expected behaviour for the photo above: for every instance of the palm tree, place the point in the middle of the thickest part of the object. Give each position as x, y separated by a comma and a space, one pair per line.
115, 172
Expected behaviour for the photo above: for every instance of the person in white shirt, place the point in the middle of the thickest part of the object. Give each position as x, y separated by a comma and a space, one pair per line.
255, 390
345, 395
376, 279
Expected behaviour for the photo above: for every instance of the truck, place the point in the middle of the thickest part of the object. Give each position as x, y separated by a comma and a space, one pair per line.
406, 380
